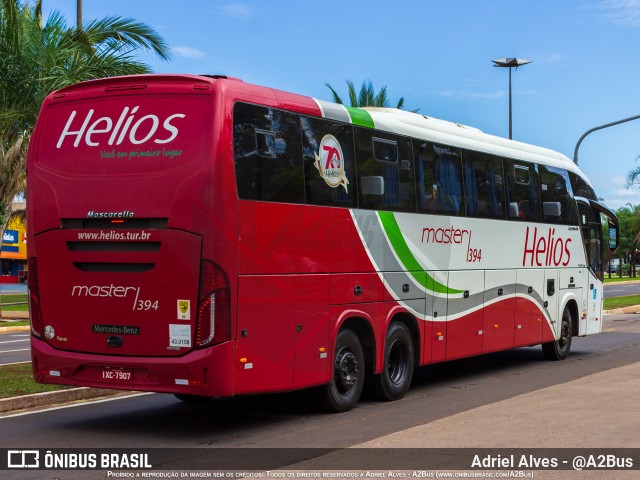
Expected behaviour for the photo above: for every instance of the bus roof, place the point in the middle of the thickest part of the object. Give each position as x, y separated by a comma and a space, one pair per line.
441, 131
392, 120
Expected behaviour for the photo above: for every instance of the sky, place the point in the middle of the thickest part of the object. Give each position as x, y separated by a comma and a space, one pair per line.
437, 54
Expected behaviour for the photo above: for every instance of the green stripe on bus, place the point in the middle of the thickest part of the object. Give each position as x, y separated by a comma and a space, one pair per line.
360, 117
399, 245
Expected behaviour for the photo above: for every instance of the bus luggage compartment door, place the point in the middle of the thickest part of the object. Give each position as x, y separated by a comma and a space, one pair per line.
119, 292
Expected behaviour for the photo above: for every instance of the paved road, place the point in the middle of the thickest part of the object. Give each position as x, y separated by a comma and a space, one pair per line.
291, 420
613, 290
13, 288
14, 348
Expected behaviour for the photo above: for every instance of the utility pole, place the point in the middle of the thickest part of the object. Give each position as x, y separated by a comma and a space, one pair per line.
510, 63
79, 14
600, 127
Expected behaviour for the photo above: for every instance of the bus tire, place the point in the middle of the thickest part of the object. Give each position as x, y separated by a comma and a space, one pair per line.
343, 391
397, 371
559, 350
187, 398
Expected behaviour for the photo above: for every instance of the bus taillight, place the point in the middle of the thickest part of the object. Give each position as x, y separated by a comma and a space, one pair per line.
34, 299
214, 306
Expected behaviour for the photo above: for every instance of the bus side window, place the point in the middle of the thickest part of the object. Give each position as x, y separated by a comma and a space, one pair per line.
581, 188
333, 183
555, 192
266, 144
523, 195
439, 178
385, 171
484, 186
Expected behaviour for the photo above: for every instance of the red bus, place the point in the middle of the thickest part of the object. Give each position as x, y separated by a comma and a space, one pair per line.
203, 236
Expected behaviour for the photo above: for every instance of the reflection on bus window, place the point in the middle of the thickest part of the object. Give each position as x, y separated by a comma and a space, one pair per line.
523, 199
439, 178
267, 154
558, 205
484, 185
385, 171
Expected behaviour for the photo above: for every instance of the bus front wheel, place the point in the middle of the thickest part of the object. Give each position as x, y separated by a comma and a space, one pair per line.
559, 349
343, 391
397, 371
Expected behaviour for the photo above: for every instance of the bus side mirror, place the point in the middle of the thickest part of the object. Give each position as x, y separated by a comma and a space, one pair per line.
613, 237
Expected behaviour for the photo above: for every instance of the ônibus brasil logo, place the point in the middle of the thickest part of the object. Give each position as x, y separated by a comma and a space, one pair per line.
103, 129
330, 162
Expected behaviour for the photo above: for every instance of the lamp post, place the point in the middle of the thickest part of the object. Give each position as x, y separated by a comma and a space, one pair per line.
510, 63
600, 127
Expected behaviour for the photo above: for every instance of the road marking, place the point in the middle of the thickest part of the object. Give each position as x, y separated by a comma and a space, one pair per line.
11, 351
14, 341
74, 405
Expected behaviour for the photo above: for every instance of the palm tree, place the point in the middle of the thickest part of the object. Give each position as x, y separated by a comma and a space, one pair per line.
36, 59
633, 177
366, 97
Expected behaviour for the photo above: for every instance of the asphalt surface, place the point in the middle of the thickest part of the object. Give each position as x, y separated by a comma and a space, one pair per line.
503, 400
14, 348
621, 290
13, 288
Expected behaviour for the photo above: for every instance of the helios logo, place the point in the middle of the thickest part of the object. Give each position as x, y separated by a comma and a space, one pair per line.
103, 131
545, 251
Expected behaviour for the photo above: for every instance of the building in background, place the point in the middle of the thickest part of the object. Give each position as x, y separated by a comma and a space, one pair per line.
13, 254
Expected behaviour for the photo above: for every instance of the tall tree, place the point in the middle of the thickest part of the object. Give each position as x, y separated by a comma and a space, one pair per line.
36, 59
633, 177
629, 218
367, 97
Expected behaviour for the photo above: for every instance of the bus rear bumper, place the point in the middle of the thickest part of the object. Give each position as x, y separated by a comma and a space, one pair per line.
207, 372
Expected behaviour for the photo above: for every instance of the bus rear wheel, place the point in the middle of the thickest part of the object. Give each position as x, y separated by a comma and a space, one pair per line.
559, 350
343, 391
395, 379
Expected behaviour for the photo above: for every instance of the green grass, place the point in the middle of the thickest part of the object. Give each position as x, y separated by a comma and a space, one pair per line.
615, 279
14, 298
620, 302
21, 323
17, 379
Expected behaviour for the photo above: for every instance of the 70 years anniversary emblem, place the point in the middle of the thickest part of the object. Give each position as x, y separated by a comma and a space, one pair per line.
330, 162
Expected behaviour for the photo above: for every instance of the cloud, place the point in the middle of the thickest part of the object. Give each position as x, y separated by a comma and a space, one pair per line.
624, 13
188, 52
239, 11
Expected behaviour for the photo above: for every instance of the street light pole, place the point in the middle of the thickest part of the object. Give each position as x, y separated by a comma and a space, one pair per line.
510, 63
624, 120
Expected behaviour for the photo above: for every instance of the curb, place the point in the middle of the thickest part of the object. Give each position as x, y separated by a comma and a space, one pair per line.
53, 398
630, 309
9, 315
24, 328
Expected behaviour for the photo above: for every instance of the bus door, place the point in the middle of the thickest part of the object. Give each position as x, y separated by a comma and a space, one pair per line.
593, 240
550, 295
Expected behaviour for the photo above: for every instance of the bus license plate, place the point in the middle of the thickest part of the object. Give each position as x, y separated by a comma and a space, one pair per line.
117, 374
